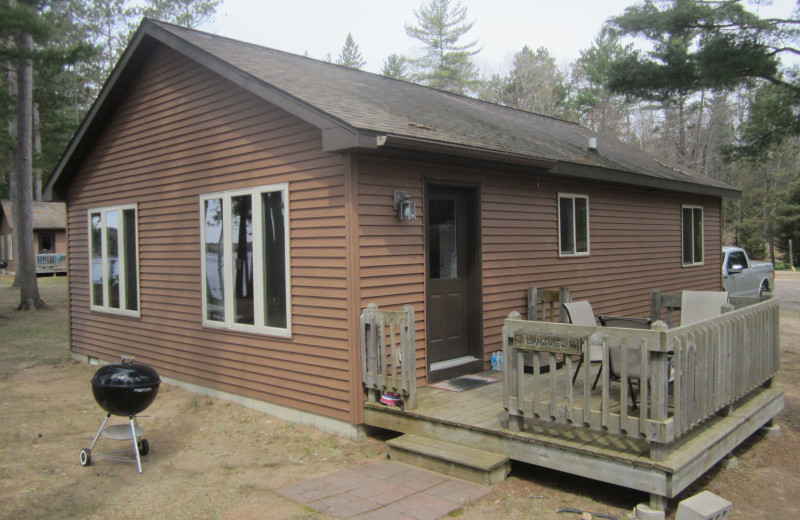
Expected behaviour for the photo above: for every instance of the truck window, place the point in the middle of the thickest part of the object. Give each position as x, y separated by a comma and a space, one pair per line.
736, 258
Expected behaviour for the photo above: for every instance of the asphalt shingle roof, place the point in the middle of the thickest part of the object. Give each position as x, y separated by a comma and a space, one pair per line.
46, 215
366, 101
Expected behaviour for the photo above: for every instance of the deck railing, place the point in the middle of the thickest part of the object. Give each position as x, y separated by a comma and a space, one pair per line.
388, 361
49, 262
689, 373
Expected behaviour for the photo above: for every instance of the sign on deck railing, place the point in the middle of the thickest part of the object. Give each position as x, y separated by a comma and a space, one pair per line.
388, 360
687, 374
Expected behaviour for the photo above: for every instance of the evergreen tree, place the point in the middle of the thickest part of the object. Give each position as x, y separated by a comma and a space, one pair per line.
350, 55
702, 45
394, 66
28, 32
446, 63
186, 13
596, 105
788, 222
536, 84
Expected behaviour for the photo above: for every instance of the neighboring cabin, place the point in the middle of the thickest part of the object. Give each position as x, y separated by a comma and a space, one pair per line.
232, 209
49, 236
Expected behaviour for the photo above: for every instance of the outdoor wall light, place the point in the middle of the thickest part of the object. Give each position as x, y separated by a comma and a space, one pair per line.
406, 209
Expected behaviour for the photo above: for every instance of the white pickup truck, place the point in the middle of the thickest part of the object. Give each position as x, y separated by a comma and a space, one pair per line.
741, 277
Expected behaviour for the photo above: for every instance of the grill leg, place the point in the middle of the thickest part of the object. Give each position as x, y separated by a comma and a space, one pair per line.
99, 431
135, 444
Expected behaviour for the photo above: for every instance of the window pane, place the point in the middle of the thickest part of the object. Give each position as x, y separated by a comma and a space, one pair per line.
214, 253
687, 236
442, 236
242, 247
112, 257
131, 267
698, 235
97, 258
566, 224
581, 225
274, 260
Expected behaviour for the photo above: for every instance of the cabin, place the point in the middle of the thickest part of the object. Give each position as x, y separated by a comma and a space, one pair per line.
244, 220
49, 237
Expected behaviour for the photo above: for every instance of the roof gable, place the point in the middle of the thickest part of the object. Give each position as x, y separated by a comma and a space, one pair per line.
359, 111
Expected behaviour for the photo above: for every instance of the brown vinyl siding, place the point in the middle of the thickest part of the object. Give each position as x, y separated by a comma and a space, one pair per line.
635, 246
634, 239
182, 132
392, 253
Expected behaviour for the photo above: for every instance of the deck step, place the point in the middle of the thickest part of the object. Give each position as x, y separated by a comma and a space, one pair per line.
458, 461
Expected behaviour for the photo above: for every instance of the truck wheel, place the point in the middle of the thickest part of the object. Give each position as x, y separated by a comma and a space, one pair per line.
764, 289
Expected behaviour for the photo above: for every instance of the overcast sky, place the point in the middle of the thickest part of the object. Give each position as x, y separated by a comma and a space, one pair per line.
503, 27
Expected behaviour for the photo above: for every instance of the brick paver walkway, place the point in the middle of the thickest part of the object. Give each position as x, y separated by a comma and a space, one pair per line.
384, 490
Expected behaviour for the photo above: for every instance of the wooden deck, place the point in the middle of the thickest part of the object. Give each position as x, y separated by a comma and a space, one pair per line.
477, 418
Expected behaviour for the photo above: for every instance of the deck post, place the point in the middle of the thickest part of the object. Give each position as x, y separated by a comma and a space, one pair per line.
658, 502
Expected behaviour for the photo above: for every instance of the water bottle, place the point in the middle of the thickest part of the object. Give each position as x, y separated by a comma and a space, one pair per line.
500, 360
494, 361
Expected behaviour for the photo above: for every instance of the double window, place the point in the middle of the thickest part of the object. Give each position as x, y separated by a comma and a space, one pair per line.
245, 263
113, 257
692, 235
573, 225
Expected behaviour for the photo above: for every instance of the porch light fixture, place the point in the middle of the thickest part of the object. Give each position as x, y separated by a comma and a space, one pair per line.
406, 209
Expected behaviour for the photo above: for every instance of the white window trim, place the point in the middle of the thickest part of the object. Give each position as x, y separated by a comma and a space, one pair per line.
702, 237
123, 294
10, 249
258, 271
574, 253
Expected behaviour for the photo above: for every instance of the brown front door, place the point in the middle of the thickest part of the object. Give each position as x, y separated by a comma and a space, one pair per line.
452, 302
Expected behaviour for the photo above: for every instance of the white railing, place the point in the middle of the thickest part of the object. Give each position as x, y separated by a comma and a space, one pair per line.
388, 360
51, 262
691, 372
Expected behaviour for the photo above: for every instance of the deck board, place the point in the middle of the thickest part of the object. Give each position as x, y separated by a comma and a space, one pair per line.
476, 417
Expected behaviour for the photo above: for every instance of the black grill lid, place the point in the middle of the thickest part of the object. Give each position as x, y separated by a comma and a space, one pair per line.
125, 375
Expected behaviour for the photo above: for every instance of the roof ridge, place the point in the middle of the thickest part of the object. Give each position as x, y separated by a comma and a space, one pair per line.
346, 68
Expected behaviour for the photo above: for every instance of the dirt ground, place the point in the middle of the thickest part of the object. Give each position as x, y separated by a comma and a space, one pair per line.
213, 459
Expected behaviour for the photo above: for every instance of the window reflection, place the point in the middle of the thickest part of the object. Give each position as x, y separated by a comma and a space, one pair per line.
112, 257
274, 260
214, 252
131, 267
97, 258
242, 246
442, 235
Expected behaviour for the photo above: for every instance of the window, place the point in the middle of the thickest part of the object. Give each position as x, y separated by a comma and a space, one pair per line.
736, 258
692, 235
573, 225
114, 259
245, 264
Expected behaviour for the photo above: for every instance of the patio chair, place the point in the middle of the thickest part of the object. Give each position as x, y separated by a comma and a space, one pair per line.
545, 305
701, 305
615, 353
580, 313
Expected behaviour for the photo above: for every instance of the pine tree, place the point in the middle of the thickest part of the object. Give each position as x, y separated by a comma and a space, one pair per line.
446, 63
702, 45
350, 55
394, 66
536, 84
28, 33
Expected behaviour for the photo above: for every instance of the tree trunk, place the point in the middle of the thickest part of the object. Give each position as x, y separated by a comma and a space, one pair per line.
12, 123
23, 190
37, 149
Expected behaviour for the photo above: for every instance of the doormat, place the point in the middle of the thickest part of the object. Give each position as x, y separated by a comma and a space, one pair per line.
459, 384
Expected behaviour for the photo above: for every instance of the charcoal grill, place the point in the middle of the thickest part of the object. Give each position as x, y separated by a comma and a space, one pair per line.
125, 389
